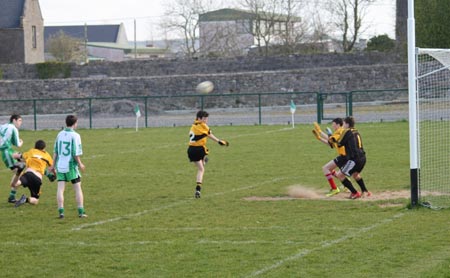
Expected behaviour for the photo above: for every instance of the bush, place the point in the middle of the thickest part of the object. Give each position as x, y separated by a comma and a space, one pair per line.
53, 70
380, 43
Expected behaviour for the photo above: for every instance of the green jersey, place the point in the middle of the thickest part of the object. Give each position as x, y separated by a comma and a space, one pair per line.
67, 147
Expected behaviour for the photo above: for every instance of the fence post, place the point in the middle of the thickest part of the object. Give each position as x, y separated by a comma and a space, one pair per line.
350, 103
319, 107
34, 114
145, 113
259, 109
90, 113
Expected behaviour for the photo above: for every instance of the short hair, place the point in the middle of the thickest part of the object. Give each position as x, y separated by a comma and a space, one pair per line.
71, 120
202, 114
338, 121
350, 121
40, 145
14, 117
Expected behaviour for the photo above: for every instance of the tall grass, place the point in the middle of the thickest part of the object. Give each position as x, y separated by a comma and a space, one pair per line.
144, 222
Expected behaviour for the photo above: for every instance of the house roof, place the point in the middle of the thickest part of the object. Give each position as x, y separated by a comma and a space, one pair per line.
129, 48
10, 13
236, 14
95, 33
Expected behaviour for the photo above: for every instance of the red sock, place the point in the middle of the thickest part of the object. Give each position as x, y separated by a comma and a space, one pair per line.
329, 177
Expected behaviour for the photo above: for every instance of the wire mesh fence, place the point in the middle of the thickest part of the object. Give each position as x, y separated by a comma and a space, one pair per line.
225, 109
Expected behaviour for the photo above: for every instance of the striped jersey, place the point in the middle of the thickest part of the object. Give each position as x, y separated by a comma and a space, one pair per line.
198, 134
37, 160
9, 136
67, 147
335, 138
351, 140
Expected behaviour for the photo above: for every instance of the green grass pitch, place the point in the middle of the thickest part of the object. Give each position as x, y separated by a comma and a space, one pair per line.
144, 222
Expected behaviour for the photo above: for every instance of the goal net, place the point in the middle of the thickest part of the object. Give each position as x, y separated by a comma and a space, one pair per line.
433, 126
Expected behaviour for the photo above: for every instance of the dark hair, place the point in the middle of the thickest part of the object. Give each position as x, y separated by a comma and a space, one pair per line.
202, 114
338, 121
350, 121
71, 120
14, 117
40, 145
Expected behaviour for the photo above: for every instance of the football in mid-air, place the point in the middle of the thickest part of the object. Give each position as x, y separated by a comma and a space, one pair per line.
205, 87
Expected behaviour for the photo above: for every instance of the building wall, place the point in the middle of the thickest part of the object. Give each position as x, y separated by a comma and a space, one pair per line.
110, 54
13, 50
33, 17
231, 37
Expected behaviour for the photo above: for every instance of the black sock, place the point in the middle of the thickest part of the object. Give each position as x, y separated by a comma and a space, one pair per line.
198, 187
362, 185
347, 183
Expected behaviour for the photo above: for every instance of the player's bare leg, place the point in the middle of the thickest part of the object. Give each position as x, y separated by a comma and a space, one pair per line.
200, 171
60, 197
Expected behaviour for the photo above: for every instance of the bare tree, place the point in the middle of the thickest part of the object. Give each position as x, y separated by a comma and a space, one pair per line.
182, 16
265, 14
347, 17
65, 48
294, 27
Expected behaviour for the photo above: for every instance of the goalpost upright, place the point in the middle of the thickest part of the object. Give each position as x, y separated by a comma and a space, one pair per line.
412, 98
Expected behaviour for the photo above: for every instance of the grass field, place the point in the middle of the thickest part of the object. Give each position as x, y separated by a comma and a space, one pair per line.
144, 222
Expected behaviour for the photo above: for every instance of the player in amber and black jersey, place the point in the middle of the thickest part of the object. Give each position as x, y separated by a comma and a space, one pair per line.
197, 150
356, 158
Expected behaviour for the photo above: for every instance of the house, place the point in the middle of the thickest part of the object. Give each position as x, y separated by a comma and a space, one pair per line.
21, 32
113, 34
234, 31
104, 42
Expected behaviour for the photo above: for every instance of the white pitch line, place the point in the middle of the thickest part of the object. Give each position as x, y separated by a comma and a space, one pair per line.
137, 214
326, 244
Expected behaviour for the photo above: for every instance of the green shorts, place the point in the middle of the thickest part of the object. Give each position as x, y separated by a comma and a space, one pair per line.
7, 156
73, 175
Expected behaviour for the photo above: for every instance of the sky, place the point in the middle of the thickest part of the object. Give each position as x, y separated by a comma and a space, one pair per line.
149, 13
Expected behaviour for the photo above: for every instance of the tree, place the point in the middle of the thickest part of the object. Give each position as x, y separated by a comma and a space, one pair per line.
274, 21
431, 23
380, 43
65, 48
347, 17
182, 16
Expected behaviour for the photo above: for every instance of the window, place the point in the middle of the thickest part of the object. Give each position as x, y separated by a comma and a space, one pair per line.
33, 34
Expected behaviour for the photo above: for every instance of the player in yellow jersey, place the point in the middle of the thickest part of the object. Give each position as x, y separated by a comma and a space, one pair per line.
328, 168
197, 150
37, 160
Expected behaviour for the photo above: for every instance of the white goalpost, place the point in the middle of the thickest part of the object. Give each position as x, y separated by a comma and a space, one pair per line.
429, 121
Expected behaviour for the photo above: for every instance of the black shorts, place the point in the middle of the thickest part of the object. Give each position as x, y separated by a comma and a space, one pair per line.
340, 161
359, 166
196, 153
33, 183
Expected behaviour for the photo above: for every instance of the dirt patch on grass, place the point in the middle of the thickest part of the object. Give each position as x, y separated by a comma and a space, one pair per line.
301, 192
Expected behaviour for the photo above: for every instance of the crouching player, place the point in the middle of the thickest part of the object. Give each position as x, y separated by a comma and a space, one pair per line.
37, 160
330, 139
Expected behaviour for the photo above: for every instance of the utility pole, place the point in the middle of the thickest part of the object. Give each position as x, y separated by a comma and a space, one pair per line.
85, 44
135, 43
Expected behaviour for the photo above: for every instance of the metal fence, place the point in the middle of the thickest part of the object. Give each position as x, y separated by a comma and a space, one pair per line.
225, 109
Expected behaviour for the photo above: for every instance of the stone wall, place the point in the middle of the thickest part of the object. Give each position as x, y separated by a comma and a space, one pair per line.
174, 87
163, 67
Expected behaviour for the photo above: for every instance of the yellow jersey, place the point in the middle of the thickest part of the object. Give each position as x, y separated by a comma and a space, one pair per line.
334, 138
37, 160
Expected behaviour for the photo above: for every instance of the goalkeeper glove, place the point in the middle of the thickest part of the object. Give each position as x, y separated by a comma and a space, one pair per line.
329, 132
316, 134
223, 143
317, 127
